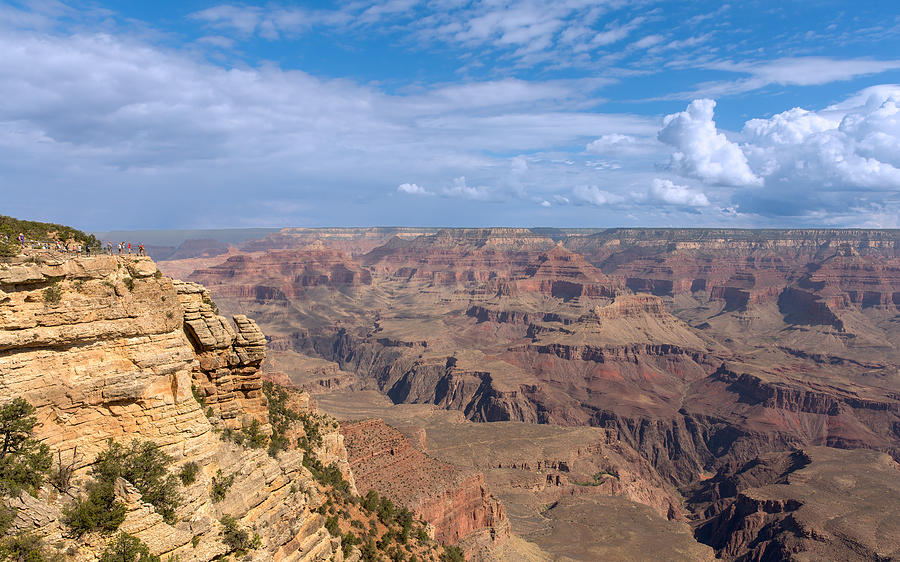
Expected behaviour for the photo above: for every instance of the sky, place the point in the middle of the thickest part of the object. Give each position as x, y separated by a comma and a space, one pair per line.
566, 113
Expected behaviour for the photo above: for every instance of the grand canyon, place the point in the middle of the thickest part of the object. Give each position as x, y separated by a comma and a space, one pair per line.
597, 394
486, 394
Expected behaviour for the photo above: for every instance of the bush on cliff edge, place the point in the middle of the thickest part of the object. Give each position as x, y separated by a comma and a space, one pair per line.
24, 462
142, 464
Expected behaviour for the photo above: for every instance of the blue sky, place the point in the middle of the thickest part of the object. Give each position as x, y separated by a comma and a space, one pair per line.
398, 112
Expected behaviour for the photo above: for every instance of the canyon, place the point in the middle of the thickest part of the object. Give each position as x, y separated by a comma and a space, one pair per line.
106, 349
667, 357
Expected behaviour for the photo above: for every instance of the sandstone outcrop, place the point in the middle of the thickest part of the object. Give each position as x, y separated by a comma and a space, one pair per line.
106, 348
226, 374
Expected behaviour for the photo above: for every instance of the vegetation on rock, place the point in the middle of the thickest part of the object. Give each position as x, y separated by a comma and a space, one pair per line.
26, 547
236, 538
220, 485
42, 231
188, 473
24, 462
126, 548
142, 464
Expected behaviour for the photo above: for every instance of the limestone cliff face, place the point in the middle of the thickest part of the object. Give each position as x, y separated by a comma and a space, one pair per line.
106, 348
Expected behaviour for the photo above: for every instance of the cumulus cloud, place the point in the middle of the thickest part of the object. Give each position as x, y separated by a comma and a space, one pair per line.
412, 189
798, 162
669, 193
460, 188
701, 151
593, 195
798, 148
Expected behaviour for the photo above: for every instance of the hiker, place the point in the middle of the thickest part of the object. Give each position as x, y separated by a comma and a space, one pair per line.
129, 247
22, 240
141, 249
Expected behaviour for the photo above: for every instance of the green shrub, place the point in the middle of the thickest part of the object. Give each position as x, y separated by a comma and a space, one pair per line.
26, 547
24, 462
385, 541
280, 417
7, 515
99, 510
220, 485
197, 396
369, 551
146, 466
53, 294
254, 437
328, 475
42, 231
188, 473
386, 511
452, 554
331, 525
236, 538
209, 302
348, 541
129, 283
126, 548
371, 501
142, 464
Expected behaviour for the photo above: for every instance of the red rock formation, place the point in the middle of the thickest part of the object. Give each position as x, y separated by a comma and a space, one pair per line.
448, 497
278, 275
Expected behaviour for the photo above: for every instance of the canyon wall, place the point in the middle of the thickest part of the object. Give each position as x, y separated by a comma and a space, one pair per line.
106, 348
453, 500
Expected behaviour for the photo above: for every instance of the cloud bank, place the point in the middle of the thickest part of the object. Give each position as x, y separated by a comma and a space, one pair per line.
846, 156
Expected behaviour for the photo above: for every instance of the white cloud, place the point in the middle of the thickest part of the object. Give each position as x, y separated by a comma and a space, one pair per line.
790, 127
545, 203
701, 151
617, 144
647, 41
412, 189
838, 161
518, 166
801, 149
593, 195
460, 188
789, 71
670, 193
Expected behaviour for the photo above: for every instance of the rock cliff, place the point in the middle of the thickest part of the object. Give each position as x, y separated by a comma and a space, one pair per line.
107, 348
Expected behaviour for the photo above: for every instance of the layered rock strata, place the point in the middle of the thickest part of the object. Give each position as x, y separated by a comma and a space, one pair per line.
106, 348
453, 500
226, 374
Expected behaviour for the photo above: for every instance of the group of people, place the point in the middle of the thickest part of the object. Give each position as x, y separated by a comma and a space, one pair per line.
126, 248
79, 248
59, 246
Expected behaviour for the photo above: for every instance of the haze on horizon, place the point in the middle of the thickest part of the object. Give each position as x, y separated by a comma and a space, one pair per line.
122, 115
